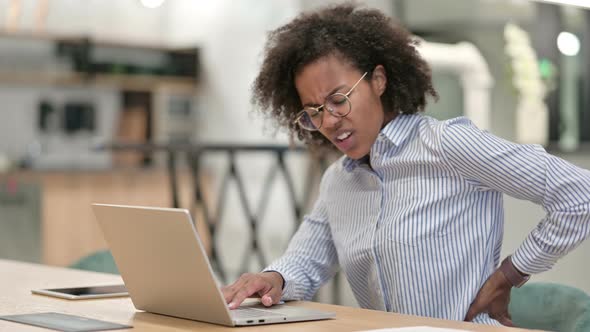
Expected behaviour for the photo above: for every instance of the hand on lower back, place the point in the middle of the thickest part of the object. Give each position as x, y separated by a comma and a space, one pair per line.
493, 298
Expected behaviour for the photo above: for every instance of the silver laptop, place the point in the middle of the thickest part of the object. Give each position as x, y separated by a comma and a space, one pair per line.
166, 270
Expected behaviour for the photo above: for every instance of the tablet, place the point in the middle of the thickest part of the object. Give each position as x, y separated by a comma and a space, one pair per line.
81, 293
62, 322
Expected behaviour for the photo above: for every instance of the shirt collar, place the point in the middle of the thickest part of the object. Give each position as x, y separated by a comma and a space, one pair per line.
397, 131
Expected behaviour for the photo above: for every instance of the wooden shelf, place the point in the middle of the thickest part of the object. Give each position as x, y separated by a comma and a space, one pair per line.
125, 82
97, 41
96, 76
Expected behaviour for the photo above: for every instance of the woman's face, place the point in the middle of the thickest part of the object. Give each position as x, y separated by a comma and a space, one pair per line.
355, 133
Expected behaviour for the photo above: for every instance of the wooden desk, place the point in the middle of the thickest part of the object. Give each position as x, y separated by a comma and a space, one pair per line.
19, 278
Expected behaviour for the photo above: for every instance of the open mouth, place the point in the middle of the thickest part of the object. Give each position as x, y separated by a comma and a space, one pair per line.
342, 137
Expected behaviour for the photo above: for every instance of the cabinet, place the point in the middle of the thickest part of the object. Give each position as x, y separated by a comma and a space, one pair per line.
65, 94
51, 221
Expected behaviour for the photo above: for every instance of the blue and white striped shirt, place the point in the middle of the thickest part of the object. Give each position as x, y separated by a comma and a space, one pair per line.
420, 230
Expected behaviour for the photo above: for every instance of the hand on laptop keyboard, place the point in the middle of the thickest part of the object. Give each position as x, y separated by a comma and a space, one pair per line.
267, 285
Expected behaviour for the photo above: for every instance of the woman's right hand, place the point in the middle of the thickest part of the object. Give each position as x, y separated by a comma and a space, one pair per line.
267, 285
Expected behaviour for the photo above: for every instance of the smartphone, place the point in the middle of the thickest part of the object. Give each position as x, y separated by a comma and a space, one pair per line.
82, 293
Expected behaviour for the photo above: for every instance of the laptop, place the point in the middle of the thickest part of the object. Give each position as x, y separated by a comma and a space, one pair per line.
166, 270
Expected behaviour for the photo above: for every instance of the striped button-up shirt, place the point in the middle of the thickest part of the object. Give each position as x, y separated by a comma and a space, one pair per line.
419, 229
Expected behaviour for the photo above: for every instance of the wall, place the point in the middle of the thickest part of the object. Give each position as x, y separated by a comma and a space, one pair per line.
231, 35
123, 20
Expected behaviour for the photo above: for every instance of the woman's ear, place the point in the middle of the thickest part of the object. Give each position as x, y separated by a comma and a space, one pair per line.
379, 79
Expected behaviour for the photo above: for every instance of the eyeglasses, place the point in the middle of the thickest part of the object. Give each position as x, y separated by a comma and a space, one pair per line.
338, 104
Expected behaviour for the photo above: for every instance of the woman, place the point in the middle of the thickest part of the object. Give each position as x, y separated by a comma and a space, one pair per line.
412, 213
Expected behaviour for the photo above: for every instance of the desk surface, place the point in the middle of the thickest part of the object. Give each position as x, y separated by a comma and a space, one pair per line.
19, 278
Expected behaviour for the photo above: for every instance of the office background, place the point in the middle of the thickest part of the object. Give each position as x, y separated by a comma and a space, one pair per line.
79, 77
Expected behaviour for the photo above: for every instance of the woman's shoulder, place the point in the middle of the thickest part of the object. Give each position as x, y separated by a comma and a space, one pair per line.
436, 127
431, 122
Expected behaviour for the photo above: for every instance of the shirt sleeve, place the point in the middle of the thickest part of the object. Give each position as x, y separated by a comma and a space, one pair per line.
310, 259
525, 172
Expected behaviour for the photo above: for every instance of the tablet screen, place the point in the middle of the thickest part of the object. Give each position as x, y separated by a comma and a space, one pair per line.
94, 290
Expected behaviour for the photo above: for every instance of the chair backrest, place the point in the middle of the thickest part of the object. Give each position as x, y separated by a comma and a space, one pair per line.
100, 261
551, 307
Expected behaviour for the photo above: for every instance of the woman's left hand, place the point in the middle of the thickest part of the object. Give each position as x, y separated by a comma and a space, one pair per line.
493, 298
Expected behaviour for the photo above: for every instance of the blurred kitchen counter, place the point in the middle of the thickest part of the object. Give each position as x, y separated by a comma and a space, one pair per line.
68, 227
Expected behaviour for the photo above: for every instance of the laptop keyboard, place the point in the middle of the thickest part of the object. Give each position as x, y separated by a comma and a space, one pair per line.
253, 313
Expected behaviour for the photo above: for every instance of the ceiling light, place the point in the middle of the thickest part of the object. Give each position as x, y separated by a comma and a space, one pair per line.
568, 43
152, 4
